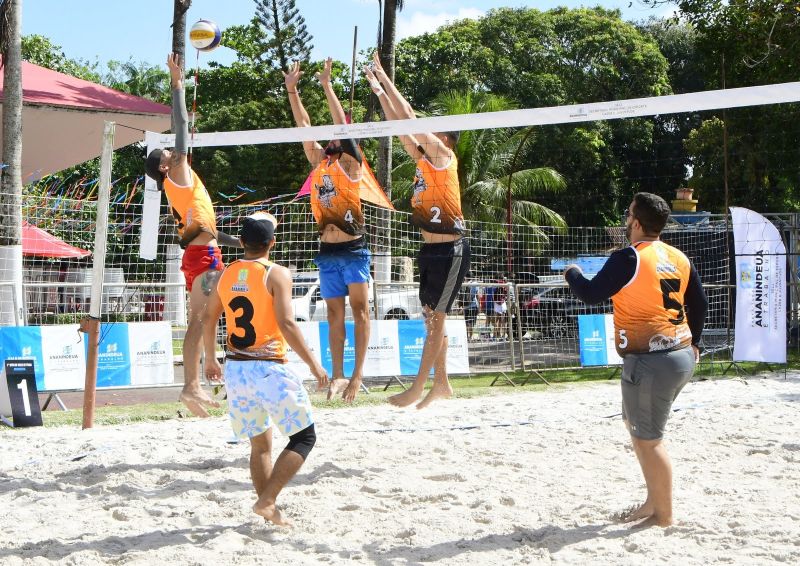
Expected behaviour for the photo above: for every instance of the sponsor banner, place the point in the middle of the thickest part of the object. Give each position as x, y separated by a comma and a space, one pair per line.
150, 346
63, 357
760, 289
23, 343
113, 356
596, 340
457, 346
383, 354
310, 332
411, 339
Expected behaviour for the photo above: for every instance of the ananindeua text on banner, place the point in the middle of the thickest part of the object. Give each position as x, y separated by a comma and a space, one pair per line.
760, 289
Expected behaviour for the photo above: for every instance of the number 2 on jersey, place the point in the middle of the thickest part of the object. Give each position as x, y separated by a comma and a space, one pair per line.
436, 212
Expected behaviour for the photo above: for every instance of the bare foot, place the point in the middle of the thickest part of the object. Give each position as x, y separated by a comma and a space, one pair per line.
634, 513
270, 513
438, 391
654, 521
406, 398
352, 389
338, 384
197, 401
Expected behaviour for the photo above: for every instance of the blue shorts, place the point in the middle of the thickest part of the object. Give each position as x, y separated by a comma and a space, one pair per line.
341, 265
263, 394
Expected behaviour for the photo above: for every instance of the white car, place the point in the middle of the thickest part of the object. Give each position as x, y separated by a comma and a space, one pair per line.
396, 301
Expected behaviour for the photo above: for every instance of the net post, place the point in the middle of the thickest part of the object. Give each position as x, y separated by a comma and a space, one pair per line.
91, 325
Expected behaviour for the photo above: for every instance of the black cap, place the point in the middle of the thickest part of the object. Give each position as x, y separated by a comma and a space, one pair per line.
152, 164
258, 228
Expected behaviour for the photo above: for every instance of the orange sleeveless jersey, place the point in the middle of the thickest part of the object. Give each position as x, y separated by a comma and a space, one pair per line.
437, 198
648, 311
192, 209
253, 332
335, 199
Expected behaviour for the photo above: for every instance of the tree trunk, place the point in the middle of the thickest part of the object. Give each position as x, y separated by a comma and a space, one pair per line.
386, 50
11, 174
179, 28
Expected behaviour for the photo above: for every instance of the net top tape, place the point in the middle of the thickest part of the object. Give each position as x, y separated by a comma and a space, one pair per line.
630, 108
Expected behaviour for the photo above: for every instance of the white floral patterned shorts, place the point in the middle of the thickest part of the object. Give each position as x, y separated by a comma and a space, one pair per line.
262, 393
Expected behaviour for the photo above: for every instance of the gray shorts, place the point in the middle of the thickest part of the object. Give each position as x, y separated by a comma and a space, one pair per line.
650, 383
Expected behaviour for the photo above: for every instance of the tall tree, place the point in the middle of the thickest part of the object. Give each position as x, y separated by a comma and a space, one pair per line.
11, 172
287, 38
386, 47
180, 7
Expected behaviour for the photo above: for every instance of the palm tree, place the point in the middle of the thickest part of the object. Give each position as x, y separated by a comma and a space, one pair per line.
485, 165
386, 45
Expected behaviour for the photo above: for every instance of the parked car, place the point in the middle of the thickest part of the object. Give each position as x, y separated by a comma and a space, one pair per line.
553, 311
395, 301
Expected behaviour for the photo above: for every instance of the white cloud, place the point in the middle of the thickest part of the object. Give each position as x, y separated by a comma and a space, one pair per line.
418, 23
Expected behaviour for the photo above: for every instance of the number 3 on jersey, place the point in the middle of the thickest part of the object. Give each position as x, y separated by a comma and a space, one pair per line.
243, 322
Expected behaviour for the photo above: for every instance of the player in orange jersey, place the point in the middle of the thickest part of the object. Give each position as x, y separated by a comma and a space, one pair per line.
343, 259
197, 230
256, 297
445, 254
659, 313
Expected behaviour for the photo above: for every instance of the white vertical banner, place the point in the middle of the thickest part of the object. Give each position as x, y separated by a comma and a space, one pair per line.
63, 357
457, 346
383, 350
150, 346
151, 205
310, 331
760, 289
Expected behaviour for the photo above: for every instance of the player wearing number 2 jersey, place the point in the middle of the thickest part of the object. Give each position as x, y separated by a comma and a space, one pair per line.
343, 258
445, 255
659, 313
256, 297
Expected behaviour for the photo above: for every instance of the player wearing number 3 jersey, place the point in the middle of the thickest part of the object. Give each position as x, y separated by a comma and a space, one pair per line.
659, 313
256, 297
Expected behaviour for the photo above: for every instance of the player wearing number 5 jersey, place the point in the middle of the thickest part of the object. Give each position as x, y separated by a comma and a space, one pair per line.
343, 259
256, 297
659, 313
445, 254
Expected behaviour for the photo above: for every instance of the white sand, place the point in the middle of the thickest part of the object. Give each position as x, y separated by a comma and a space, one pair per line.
538, 492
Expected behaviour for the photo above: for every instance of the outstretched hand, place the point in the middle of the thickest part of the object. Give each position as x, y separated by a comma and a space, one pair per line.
373, 81
175, 69
377, 68
291, 78
325, 76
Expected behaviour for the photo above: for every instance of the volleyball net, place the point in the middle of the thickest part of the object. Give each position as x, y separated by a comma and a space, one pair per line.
567, 174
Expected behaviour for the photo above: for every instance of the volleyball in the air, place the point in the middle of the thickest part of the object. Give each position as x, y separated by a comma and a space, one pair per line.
205, 35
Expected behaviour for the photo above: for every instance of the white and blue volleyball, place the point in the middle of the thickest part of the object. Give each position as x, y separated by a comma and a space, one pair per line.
205, 35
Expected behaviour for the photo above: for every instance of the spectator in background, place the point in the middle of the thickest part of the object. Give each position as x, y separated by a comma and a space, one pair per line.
471, 301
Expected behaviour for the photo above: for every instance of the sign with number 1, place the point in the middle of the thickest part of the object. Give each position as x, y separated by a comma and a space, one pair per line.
22, 393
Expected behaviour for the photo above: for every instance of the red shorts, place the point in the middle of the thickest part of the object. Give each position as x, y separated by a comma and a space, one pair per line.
199, 259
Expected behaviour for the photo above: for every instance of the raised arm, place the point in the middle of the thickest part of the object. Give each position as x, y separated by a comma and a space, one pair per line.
314, 151
410, 143
426, 144
179, 171
337, 112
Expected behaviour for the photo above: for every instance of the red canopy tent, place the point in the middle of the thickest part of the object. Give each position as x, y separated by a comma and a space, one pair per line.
37, 242
63, 117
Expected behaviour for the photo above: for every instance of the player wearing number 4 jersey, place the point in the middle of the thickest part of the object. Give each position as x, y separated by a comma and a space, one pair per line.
659, 313
343, 258
445, 255
256, 297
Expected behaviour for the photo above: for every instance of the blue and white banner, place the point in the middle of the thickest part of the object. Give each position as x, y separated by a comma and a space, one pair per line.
596, 340
760, 289
129, 354
395, 347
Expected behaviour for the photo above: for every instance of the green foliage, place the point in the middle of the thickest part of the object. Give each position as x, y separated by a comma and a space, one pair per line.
39, 50
287, 38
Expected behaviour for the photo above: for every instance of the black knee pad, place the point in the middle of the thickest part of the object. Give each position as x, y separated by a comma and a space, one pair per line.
303, 441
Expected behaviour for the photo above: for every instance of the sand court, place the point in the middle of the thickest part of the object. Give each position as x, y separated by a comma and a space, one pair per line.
513, 479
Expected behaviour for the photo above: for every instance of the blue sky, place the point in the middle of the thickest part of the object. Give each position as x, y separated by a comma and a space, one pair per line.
99, 30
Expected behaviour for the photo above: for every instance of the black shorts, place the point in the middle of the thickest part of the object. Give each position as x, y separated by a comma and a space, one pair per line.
442, 268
